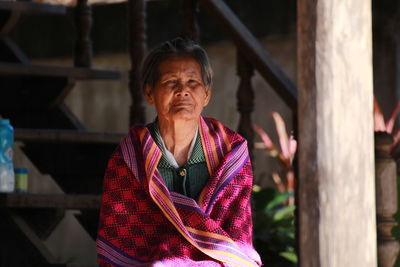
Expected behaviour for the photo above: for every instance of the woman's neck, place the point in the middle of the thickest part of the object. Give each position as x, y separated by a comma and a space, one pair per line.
177, 137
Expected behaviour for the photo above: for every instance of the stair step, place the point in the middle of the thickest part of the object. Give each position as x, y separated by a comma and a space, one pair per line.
70, 136
23, 115
61, 201
76, 163
32, 7
15, 69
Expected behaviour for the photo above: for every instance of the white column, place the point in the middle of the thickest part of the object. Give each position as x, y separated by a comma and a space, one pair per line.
336, 155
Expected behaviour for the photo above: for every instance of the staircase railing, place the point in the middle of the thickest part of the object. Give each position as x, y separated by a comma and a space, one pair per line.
254, 52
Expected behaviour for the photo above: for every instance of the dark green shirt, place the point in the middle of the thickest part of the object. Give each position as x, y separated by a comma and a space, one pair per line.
188, 180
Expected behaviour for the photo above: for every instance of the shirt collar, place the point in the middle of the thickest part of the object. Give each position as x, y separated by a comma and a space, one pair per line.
168, 155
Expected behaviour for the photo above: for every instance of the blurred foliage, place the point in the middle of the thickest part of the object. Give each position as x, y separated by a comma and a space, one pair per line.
274, 230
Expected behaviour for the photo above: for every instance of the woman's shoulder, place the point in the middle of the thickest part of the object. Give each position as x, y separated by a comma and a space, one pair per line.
138, 128
134, 136
138, 131
216, 125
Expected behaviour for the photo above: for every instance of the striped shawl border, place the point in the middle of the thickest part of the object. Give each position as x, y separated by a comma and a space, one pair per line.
116, 256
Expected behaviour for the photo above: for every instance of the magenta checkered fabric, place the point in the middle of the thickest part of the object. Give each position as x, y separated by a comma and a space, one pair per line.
144, 224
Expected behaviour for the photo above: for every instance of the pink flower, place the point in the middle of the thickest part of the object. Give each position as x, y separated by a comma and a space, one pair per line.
288, 147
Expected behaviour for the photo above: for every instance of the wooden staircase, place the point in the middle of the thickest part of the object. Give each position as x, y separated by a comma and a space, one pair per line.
32, 97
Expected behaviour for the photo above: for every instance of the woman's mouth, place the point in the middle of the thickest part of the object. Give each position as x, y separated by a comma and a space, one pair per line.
182, 104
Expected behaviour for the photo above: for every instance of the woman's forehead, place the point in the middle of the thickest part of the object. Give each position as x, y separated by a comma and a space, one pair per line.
185, 65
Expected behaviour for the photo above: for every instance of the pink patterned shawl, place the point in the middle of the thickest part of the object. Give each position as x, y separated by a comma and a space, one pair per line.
142, 223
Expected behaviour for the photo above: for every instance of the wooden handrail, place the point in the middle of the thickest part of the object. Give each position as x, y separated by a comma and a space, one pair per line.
254, 52
67, 136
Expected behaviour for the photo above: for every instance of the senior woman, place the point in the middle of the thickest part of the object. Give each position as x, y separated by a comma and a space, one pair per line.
177, 191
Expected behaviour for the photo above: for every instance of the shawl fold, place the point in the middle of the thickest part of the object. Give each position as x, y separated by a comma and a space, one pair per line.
142, 223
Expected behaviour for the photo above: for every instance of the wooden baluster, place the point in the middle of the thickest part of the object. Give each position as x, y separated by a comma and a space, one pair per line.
386, 200
83, 26
245, 100
137, 39
190, 24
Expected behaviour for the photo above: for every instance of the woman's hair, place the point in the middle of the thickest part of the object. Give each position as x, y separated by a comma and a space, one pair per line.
177, 47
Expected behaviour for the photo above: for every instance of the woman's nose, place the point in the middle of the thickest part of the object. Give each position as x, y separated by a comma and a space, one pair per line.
181, 90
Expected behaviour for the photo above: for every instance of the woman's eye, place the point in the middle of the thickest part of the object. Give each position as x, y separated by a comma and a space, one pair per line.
193, 82
171, 82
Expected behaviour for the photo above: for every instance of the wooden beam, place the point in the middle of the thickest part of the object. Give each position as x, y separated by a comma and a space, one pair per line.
59, 201
72, 3
336, 164
31, 7
67, 136
15, 69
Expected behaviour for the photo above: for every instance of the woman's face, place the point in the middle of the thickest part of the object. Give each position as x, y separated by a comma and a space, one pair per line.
180, 93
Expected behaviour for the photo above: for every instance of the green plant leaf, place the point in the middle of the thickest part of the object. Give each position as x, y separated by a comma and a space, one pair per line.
274, 231
289, 255
279, 200
284, 212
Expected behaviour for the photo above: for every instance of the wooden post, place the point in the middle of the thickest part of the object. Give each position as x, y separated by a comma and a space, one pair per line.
245, 100
336, 155
83, 27
190, 25
386, 200
137, 46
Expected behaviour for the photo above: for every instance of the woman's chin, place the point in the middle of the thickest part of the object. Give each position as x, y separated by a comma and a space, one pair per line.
185, 115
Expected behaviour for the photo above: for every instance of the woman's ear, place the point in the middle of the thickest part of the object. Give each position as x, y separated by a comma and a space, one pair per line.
208, 95
148, 94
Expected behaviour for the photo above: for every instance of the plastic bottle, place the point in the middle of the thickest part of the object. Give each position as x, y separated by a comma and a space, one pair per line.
21, 180
7, 179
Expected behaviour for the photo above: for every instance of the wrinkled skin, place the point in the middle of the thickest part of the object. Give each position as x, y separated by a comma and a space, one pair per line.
180, 93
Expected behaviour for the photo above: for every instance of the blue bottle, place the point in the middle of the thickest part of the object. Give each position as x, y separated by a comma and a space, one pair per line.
7, 180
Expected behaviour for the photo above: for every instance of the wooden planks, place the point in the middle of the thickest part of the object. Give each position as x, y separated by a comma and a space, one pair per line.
61, 201
15, 69
32, 7
67, 136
